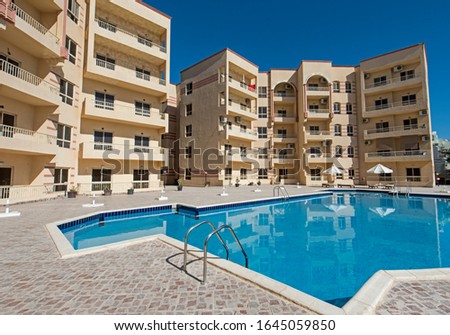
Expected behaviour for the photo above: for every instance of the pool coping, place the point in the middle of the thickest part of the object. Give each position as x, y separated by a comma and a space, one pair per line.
365, 301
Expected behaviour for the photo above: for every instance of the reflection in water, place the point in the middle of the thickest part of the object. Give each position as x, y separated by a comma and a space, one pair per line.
327, 246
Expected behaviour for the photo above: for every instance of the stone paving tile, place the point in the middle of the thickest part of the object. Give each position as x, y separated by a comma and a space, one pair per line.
417, 298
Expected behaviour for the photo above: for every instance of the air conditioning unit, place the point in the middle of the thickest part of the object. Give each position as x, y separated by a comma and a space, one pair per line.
425, 138
323, 81
237, 119
223, 119
291, 146
397, 68
366, 75
365, 120
369, 142
423, 112
323, 101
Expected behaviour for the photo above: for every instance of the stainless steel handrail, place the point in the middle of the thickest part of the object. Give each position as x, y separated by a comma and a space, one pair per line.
282, 189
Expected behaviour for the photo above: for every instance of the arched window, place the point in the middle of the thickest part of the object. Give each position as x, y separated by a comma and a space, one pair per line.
349, 130
348, 87
336, 86
337, 130
338, 151
350, 152
349, 108
337, 108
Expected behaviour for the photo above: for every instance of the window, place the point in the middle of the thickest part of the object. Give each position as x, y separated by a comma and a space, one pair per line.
281, 133
228, 173
413, 174
315, 174
243, 151
228, 149
188, 88
349, 108
262, 112
262, 153
283, 173
337, 130
405, 75
141, 143
337, 108
262, 132
104, 101
188, 132
262, 174
101, 179
188, 109
73, 9
188, 152
379, 81
314, 130
144, 40
385, 176
142, 108
142, 74
313, 108
409, 99
66, 91
262, 92
381, 103
243, 128
349, 130
351, 173
103, 140
63, 136
9, 65
141, 178
315, 150
348, 87
336, 86
338, 151
350, 152
281, 113
382, 127
106, 62
60, 179
243, 174
188, 174
409, 124
71, 46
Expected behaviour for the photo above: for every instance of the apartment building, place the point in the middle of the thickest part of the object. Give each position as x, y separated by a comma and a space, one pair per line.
124, 100
84, 91
217, 106
304, 121
41, 63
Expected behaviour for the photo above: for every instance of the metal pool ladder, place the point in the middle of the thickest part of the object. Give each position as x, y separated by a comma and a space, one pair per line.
281, 190
215, 231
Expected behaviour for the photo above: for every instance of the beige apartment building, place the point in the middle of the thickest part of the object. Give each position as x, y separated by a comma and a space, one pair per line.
84, 91
304, 121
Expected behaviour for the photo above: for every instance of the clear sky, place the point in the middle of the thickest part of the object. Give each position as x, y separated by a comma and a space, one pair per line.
280, 34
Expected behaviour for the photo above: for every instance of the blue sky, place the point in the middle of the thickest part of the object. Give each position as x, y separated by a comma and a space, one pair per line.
280, 34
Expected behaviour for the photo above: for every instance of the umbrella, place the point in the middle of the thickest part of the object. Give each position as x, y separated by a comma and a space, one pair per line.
336, 208
333, 170
379, 169
382, 211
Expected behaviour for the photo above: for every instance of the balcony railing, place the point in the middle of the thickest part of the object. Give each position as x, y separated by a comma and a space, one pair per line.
142, 40
319, 111
105, 64
393, 105
284, 94
244, 85
404, 153
33, 22
26, 76
410, 128
318, 88
140, 111
318, 132
26, 134
241, 106
392, 81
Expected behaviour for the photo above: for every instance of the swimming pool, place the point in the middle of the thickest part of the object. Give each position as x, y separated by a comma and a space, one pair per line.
326, 245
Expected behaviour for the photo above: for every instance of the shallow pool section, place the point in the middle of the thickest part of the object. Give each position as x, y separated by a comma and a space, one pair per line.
326, 245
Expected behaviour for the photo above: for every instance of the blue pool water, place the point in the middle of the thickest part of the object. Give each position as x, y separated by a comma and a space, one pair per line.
327, 245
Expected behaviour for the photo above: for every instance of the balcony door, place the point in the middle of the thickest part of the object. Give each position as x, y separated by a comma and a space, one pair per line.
7, 122
9, 65
5, 181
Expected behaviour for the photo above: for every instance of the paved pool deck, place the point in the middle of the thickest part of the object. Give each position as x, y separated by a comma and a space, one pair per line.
145, 278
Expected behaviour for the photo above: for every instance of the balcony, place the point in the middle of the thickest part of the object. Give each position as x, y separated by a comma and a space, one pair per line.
105, 151
319, 158
391, 84
318, 135
317, 114
398, 156
125, 77
34, 37
125, 114
238, 157
283, 159
242, 110
318, 91
284, 118
282, 96
395, 132
395, 108
18, 84
243, 87
241, 133
284, 138
130, 40
25, 141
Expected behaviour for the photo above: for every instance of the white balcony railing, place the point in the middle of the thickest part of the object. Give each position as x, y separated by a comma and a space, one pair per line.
26, 134
318, 111
391, 81
410, 128
140, 39
105, 64
27, 76
241, 106
33, 22
244, 85
405, 153
318, 132
404, 104
147, 111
